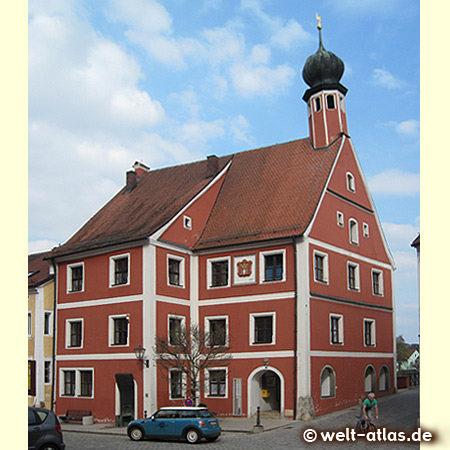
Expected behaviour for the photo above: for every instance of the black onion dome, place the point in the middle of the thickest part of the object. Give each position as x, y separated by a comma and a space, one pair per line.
323, 70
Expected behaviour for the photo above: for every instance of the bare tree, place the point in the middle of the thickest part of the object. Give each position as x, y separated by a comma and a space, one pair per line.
191, 350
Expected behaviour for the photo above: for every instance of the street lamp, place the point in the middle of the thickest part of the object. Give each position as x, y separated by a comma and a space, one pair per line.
140, 352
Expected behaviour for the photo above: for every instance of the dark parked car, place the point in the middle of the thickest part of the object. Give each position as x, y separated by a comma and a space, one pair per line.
44, 430
189, 423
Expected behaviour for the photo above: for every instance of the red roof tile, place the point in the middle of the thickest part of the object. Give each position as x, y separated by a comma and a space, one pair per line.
38, 269
268, 193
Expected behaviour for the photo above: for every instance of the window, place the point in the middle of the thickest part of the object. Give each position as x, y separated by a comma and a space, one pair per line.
350, 182
331, 102
320, 267
353, 276
176, 384
317, 104
342, 103
353, 230
365, 230
340, 219
218, 272
176, 329
262, 328
30, 323
118, 330
75, 277
69, 382
369, 380
327, 383
217, 382
383, 381
47, 372
369, 333
272, 265
377, 282
47, 323
336, 329
187, 222
74, 333
217, 328
175, 271
77, 382
119, 270
85, 383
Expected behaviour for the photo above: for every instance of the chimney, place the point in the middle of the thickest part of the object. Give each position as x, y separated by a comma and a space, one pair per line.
140, 168
131, 181
212, 166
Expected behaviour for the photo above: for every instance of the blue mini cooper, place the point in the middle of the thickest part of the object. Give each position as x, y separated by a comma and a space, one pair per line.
189, 423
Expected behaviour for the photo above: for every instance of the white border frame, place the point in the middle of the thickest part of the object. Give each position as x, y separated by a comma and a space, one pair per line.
357, 277
340, 328
252, 317
262, 265
183, 385
209, 263
69, 277
77, 371
222, 317
327, 366
373, 334
206, 383
350, 182
111, 330
174, 316
351, 221
340, 219
112, 267
380, 282
67, 328
326, 272
182, 276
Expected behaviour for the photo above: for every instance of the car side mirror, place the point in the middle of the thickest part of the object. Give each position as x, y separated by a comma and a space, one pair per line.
152, 418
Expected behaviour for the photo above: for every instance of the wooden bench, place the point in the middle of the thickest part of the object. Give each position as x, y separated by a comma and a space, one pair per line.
75, 415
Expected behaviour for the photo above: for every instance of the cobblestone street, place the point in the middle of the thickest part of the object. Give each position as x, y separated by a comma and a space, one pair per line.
398, 412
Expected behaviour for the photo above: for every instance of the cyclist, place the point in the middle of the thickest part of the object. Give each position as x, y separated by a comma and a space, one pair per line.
369, 403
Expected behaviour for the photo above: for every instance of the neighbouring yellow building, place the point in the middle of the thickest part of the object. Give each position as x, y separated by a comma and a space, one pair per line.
41, 300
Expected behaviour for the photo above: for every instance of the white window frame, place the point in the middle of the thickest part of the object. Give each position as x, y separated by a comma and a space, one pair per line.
48, 314
112, 270
380, 282
187, 222
206, 378
357, 279
350, 182
353, 231
340, 218
314, 100
174, 316
325, 267
111, 333
207, 327
69, 277
183, 384
365, 229
68, 329
181, 260
49, 361
334, 101
342, 103
209, 264
372, 333
30, 324
340, 318
262, 265
332, 388
253, 328
77, 371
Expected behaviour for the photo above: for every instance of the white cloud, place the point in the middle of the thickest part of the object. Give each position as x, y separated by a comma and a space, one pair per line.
384, 78
240, 129
357, 7
409, 128
251, 80
395, 182
40, 246
198, 132
400, 236
290, 34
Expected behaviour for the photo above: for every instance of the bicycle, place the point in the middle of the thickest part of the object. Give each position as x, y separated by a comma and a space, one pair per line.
365, 426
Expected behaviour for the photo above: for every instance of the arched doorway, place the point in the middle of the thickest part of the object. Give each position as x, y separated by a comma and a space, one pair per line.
266, 390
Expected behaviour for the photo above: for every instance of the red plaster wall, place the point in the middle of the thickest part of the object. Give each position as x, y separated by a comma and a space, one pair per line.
162, 286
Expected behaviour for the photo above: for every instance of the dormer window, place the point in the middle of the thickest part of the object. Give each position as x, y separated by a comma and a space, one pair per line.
330, 102
350, 182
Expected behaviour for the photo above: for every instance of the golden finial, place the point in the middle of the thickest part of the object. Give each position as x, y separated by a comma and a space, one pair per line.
319, 20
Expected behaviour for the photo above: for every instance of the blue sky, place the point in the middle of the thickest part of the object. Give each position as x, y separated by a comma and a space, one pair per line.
167, 82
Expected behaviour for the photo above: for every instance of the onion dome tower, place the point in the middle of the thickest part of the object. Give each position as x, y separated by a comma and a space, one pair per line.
325, 97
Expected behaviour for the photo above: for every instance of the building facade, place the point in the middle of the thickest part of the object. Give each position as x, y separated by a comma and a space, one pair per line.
280, 248
41, 305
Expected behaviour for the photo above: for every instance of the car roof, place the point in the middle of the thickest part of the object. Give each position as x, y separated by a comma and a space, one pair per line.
190, 408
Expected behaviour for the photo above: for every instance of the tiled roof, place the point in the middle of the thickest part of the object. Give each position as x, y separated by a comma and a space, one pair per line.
268, 193
38, 269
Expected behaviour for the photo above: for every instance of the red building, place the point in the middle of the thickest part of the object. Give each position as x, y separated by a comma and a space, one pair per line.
280, 246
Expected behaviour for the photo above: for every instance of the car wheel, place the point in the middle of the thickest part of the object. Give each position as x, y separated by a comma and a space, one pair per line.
212, 439
136, 434
49, 447
192, 436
